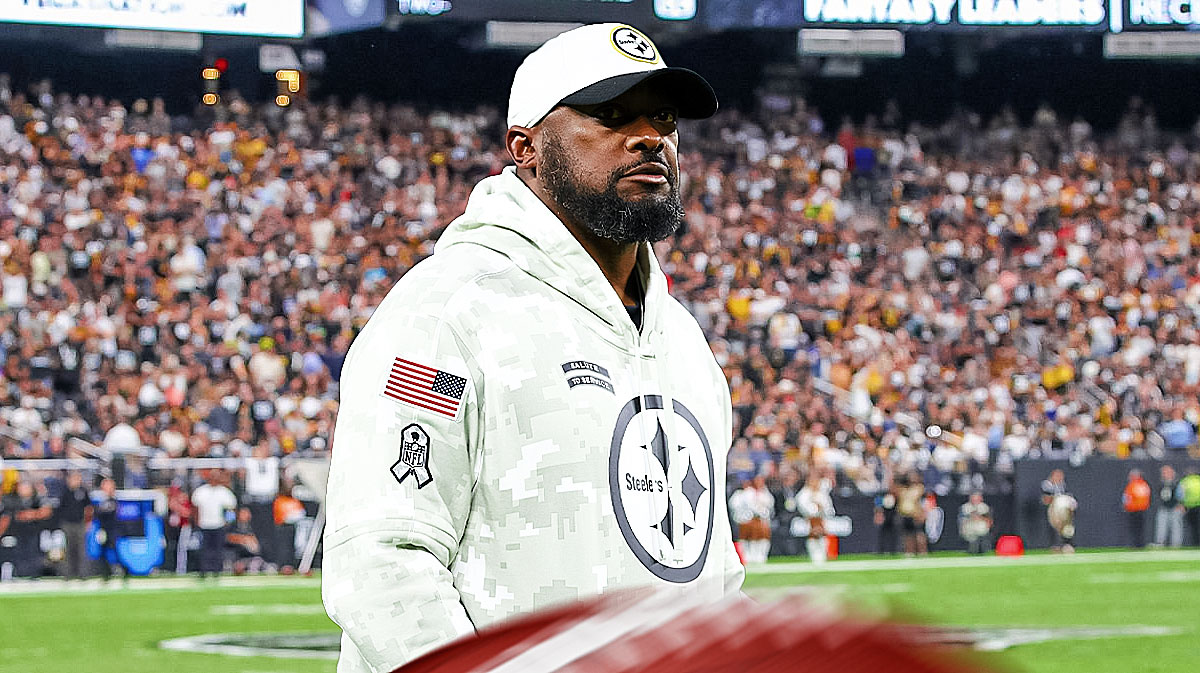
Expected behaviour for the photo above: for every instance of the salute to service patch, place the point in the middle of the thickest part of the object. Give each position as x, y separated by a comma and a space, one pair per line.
414, 456
424, 387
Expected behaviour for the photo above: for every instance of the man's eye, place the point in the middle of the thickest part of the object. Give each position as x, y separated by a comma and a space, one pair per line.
666, 116
608, 113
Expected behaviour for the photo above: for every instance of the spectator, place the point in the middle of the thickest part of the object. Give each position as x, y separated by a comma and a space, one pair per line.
214, 503
74, 512
1168, 518
975, 523
1135, 500
1178, 432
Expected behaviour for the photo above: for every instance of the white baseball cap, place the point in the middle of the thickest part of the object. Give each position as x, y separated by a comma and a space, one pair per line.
596, 63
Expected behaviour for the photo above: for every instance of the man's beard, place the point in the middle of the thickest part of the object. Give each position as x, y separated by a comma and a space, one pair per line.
605, 213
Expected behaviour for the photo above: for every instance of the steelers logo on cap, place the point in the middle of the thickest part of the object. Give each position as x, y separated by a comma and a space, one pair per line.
634, 45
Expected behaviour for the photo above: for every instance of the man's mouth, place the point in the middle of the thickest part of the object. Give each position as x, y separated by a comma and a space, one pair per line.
650, 172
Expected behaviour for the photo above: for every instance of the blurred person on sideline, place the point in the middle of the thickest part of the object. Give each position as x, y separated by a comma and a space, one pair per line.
213, 503
105, 511
975, 523
1053, 487
241, 540
1135, 500
74, 512
261, 475
178, 527
910, 505
886, 520
29, 514
816, 505
529, 416
1168, 517
288, 511
1189, 497
752, 508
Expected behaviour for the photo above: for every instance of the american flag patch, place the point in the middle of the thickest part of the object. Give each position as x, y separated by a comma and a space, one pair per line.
425, 387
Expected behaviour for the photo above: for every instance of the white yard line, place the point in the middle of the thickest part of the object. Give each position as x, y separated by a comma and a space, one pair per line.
934, 563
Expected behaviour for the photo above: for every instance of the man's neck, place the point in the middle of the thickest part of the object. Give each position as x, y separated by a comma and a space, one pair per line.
617, 261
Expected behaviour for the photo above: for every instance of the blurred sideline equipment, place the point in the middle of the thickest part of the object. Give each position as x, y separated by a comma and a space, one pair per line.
140, 539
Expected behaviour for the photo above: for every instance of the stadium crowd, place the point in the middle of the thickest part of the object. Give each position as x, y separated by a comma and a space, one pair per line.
886, 298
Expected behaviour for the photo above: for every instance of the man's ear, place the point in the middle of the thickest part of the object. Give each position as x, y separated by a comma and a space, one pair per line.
519, 141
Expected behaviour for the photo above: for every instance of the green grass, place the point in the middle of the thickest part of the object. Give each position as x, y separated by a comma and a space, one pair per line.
118, 630
1117, 591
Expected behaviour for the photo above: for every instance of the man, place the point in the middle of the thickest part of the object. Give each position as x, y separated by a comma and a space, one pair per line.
1168, 519
74, 513
1135, 500
1055, 487
105, 511
885, 519
529, 417
247, 552
975, 523
261, 481
28, 518
212, 501
1189, 497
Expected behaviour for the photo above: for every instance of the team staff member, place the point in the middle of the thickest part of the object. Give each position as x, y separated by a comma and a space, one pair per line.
74, 513
529, 417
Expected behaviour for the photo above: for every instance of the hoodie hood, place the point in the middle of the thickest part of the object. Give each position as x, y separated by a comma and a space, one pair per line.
504, 215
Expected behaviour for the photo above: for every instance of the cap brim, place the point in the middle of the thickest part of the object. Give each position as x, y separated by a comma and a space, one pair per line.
692, 95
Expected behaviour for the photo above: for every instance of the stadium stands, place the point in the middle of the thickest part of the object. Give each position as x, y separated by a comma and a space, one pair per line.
884, 299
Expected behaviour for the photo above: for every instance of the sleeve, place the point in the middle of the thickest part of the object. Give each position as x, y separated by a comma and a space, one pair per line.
399, 495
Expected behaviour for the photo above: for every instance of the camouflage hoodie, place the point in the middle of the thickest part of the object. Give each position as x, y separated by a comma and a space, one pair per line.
508, 439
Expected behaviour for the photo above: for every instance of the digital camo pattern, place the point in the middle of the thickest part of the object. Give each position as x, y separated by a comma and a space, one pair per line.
526, 506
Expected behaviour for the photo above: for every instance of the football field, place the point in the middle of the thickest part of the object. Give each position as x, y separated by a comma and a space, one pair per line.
1102, 612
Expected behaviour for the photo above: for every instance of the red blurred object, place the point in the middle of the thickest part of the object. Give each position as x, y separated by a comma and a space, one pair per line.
221, 64
671, 631
831, 547
737, 546
1010, 545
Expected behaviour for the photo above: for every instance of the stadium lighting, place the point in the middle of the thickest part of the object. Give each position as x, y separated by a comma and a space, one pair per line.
210, 73
283, 100
210, 99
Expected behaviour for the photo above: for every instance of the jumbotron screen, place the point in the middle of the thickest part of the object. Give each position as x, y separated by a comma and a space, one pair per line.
272, 18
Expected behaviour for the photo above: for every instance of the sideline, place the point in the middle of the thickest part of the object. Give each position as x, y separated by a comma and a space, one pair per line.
95, 585
937, 562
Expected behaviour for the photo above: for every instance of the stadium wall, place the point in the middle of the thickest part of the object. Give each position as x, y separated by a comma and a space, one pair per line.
1097, 484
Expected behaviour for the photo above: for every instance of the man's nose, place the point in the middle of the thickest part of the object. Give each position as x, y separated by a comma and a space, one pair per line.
644, 137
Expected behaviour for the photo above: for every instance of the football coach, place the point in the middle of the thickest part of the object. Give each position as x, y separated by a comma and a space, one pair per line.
529, 417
